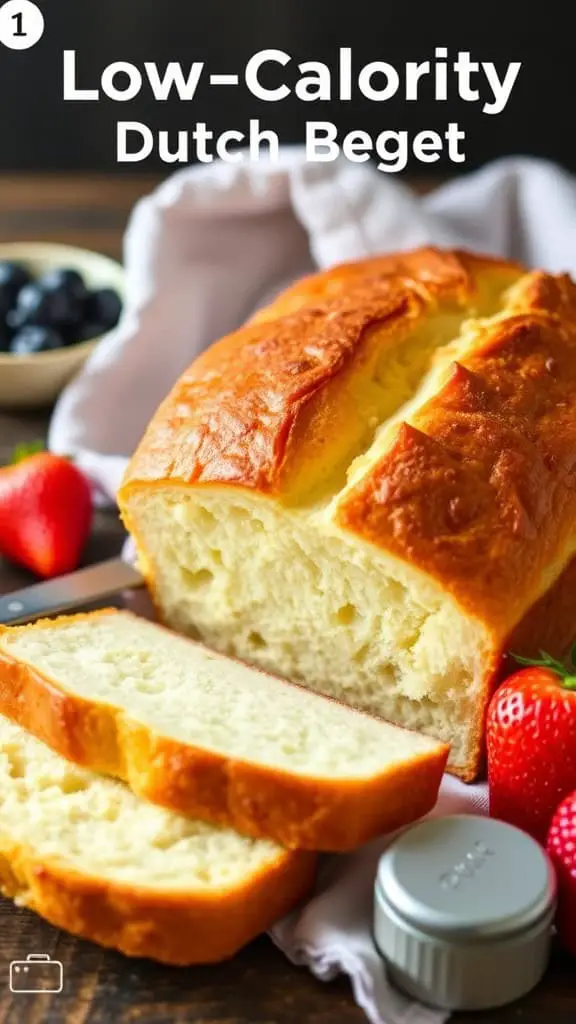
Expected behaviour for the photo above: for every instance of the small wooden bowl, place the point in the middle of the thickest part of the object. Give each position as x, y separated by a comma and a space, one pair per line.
35, 381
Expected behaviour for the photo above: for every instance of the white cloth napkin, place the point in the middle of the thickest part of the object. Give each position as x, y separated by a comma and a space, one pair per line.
207, 248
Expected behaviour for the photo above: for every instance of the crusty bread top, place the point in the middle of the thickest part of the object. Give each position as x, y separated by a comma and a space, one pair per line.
444, 275
479, 488
245, 408
471, 481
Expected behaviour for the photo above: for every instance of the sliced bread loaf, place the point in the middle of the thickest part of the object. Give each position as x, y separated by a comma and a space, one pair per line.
92, 858
208, 736
370, 488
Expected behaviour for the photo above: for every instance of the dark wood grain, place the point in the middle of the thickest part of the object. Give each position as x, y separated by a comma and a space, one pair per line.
89, 211
100, 987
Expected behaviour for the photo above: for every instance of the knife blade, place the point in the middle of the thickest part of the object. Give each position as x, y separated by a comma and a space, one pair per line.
64, 593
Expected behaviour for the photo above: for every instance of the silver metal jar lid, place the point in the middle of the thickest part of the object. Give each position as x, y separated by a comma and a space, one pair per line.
463, 911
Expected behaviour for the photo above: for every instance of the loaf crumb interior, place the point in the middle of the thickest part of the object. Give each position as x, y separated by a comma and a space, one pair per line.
316, 607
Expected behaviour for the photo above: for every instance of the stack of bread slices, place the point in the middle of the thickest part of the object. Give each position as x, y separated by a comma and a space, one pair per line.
169, 801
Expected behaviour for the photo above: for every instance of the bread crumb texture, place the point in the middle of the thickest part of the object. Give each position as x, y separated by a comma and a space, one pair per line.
186, 692
80, 821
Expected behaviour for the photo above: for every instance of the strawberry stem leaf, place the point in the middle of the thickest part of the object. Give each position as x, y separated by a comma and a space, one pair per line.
25, 450
545, 660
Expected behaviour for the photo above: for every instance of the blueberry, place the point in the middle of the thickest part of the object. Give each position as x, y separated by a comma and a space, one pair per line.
103, 307
5, 305
87, 331
4, 338
67, 280
31, 307
66, 299
52, 307
35, 338
13, 277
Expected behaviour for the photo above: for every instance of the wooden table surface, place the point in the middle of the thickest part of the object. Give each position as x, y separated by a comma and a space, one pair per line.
258, 986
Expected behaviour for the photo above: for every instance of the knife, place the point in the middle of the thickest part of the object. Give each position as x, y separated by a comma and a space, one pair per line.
94, 583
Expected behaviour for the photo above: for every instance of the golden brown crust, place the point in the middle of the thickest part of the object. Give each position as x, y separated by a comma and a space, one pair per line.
443, 274
275, 393
297, 812
479, 490
177, 927
232, 418
549, 625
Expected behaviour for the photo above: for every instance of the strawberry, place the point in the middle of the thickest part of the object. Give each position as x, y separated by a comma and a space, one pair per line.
531, 741
561, 845
45, 512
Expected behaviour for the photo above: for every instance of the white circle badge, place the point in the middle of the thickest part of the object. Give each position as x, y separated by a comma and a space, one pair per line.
21, 24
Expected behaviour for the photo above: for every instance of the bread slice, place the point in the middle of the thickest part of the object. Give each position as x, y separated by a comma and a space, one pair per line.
89, 856
211, 737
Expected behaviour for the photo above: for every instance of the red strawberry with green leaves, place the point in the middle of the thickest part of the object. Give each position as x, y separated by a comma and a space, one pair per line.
45, 512
561, 846
531, 744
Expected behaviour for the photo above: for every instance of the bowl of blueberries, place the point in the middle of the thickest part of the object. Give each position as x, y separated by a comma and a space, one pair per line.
56, 302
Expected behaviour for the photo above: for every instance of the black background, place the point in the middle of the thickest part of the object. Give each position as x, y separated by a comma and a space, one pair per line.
39, 131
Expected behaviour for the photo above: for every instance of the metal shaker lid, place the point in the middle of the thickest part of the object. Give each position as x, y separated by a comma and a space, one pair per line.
463, 911
466, 876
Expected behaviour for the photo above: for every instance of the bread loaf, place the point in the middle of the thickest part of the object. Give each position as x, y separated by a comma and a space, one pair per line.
210, 737
92, 858
371, 487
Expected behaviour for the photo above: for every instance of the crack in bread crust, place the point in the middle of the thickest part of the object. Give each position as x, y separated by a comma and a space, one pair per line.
264, 405
467, 487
